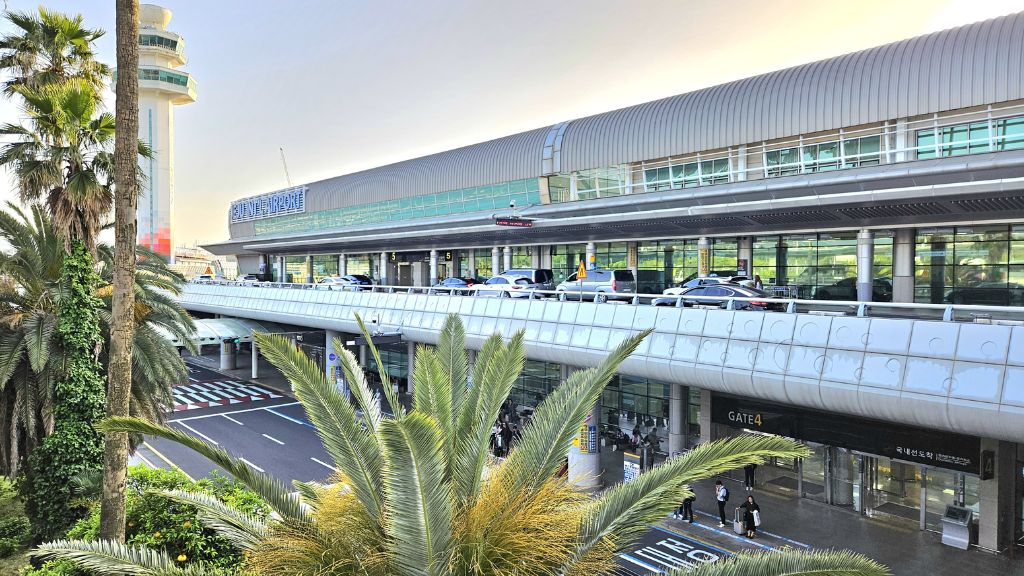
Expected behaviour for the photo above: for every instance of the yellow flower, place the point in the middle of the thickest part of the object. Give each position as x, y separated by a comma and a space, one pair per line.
156, 534
187, 524
182, 557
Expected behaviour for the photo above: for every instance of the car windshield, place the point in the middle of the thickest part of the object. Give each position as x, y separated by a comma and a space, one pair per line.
496, 280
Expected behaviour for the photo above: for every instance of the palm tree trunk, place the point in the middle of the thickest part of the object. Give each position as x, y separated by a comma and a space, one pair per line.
122, 328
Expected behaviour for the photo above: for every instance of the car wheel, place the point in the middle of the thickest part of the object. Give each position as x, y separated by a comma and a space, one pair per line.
600, 298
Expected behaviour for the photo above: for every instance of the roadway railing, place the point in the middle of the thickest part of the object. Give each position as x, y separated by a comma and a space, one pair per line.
1008, 315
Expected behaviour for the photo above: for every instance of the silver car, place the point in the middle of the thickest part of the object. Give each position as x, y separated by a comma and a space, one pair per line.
599, 285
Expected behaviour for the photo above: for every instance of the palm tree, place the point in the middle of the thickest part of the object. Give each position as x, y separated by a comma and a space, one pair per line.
30, 352
417, 494
119, 371
49, 49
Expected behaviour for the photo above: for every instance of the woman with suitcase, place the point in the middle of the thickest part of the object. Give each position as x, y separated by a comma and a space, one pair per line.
751, 516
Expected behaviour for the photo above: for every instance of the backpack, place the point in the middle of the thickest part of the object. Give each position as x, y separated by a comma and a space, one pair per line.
725, 497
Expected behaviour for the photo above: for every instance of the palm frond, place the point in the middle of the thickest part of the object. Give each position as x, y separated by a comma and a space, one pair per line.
106, 557
396, 406
244, 531
789, 563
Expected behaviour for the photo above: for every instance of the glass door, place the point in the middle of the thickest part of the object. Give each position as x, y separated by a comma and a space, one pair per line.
813, 472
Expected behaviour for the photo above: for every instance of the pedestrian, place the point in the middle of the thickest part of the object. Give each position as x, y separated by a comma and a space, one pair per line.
636, 440
748, 476
686, 510
757, 282
722, 496
506, 438
751, 516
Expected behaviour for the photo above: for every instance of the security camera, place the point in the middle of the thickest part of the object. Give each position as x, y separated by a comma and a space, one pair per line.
512, 204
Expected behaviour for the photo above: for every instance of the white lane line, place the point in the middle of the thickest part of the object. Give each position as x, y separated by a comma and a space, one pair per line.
232, 419
272, 439
168, 460
193, 379
322, 463
251, 465
145, 460
200, 434
233, 412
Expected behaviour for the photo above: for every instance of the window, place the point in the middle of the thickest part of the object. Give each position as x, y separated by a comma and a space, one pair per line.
861, 151
782, 162
1009, 133
821, 157
970, 265
154, 40
656, 179
960, 139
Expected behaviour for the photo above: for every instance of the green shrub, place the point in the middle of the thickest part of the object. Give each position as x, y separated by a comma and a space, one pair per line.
53, 568
14, 525
160, 523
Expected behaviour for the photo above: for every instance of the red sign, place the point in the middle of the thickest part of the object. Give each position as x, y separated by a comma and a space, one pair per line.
514, 222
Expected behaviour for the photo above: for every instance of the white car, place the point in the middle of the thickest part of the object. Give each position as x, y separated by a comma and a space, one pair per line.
677, 290
504, 287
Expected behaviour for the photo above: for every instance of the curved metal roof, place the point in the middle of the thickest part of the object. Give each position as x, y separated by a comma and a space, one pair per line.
973, 65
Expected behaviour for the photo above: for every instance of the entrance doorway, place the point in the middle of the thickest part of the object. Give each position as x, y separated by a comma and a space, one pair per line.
1019, 499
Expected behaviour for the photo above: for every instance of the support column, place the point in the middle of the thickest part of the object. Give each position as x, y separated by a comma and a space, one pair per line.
923, 520
363, 355
996, 507
677, 418
495, 261
309, 269
903, 265
472, 264
411, 354
585, 458
342, 265
227, 355
703, 257
281, 275
433, 268
329, 351
384, 268
507, 260
535, 257
633, 261
745, 256
705, 416
741, 163
865, 265
591, 256
255, 360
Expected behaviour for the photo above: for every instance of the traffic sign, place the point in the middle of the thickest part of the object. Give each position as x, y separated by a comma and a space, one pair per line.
582, 272
332, 356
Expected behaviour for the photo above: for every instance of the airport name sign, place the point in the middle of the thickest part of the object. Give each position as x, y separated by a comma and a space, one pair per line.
288, 201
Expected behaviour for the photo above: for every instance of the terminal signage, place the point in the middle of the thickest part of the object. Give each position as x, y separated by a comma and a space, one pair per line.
514, 222
289, 201
928, 448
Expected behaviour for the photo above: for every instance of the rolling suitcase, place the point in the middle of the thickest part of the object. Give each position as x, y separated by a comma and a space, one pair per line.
737, 522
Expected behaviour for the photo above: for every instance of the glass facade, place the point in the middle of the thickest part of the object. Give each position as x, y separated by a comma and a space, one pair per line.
687, 174
565, 259
823, 156
466, 200
821, 266
522, 256
295, 269
154, 40
970, 265
665, 263
324, 265
483, 263
971, 138
163, 76
536, 382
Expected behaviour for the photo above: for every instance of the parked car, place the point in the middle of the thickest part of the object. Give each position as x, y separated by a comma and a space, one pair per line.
719, 295
348, 282
988, 294
460, 286
204, 278
504, 287
846, 289
705, 281
600, 285
540, 278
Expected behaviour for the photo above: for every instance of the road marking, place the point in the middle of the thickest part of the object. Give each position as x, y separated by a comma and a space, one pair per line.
232, 419
729, 533
643, 565
286, 417
168, 460
251, 465
322, 463
200, 434
232, 412
193, 379
767, 533
272, 439
145, 460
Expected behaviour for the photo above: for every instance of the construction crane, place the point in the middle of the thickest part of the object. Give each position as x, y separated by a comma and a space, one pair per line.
284, 162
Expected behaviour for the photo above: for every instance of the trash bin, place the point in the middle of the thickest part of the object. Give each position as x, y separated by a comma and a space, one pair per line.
956, 527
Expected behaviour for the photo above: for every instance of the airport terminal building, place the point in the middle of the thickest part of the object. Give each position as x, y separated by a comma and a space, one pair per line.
910, 155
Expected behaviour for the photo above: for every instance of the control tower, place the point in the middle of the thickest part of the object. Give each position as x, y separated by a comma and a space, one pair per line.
161, 87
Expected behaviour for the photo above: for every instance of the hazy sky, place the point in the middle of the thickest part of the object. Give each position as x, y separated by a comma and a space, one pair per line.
346, 85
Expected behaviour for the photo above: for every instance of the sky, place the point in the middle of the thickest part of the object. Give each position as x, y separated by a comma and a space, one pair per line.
345, 85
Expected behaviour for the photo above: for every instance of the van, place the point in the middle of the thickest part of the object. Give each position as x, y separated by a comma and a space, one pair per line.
601, 284
540, 278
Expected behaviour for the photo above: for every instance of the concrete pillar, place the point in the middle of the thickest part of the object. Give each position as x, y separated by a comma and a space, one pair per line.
411, 364
903, 265
865, 265
535, 257
507, 260
255, 361
705, 416
495, 261
363, 356
342, 265
923, 502
281, 274
433, 268
703, 256
741, 163
472, 264
329, 352
309, 269
384, 268
585, 459
227, 355
677, 418
633, 260
996, 507
745, 253
591, 256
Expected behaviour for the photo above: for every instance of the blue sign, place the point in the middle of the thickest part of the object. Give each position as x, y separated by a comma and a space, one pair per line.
332, 356
290, 201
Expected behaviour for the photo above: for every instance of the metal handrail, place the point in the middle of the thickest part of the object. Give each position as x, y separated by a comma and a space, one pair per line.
947, 312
